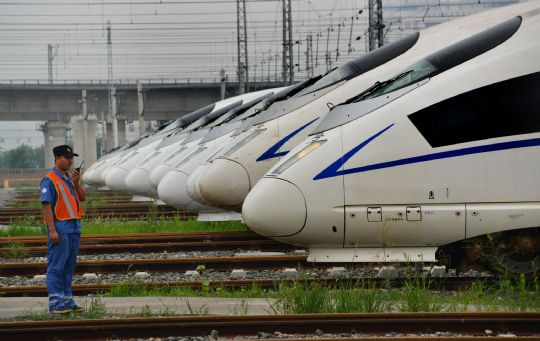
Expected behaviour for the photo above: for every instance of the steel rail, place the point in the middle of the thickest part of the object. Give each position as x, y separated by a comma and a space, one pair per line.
164, 265
230, 326
93, 249
142, 238
446, 284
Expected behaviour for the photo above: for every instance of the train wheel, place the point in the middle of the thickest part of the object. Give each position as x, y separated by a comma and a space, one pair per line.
517, 252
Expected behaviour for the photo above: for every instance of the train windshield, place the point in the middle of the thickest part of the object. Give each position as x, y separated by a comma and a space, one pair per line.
418, 71
333, 77
363, 64
444, 59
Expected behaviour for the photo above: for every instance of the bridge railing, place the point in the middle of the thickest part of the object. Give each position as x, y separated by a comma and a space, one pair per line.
22, 176
104, 82
119, 82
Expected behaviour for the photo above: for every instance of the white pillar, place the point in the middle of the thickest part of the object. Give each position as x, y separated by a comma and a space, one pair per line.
121, 131
114, 121
55, 135
84, 138
223, 80
140, 107
109, 133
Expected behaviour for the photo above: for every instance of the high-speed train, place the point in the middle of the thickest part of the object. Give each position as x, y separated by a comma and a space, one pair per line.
226, 180
172, 147
239, 118
146, 149
172, 185
95, 175
92, 175
447, 150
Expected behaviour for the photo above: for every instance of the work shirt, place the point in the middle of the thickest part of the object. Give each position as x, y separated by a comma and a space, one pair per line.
49, 195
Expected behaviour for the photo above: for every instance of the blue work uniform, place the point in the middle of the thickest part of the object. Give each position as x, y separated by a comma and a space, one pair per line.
61, 257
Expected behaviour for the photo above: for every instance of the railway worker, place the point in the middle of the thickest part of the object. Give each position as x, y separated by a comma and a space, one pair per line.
61, 197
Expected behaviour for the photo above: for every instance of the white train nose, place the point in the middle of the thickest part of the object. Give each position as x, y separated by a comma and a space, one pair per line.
103, 175
275, 208
192, 186
116, 179
89, 177
224, 183
172, 189
138, 182
157, 174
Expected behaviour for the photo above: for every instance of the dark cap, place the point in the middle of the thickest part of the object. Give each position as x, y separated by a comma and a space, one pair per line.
64, 150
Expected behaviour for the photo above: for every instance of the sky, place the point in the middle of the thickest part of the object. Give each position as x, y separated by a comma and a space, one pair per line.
194, 39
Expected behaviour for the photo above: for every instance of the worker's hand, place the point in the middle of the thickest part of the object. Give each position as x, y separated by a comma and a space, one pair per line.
55, 237
76, 177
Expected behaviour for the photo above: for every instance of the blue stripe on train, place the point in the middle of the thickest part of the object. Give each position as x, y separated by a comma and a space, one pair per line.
334, 169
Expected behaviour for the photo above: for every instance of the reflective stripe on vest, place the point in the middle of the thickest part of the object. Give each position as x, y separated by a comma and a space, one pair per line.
67, 206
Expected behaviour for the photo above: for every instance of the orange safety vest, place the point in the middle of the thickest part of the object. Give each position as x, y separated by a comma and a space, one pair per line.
66, 207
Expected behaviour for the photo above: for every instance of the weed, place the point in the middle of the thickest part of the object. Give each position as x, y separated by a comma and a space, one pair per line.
416, 296
95, 309
242, 308
15, 250
362, 297
302, 298
202, 310
26, 226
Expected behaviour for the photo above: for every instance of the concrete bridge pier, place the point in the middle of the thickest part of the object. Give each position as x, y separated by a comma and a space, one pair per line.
121, 129
55, 135
84, 139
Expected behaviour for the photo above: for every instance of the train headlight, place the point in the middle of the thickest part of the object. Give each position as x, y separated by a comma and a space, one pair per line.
301, 154
244, 141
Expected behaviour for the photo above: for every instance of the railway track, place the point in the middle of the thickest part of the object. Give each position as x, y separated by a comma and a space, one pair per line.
34, 202
89, 249
146, 243
120, 211
164, 265
446, 284
128, 238
469, 324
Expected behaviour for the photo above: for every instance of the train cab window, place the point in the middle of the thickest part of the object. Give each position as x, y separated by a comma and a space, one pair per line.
444, 59
363, 64
501, 109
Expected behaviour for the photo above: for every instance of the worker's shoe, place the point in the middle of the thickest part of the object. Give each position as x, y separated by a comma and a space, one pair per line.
77, 308
62, 310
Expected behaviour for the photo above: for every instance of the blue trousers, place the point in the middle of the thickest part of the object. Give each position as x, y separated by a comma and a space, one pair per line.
61, 262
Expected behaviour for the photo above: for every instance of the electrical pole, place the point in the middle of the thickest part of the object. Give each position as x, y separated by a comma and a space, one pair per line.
241, 42
350, 36
317, 50
376, 26
275, 67
269, 63
309, 55
338, 36
328, 59
223, 82
299, 42
52, 51
288, 60
111, 91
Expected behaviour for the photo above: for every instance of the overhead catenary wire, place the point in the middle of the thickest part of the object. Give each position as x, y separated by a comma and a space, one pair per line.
171, 37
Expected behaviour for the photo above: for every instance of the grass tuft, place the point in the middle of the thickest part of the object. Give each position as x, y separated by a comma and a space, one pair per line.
27, 226
15, 250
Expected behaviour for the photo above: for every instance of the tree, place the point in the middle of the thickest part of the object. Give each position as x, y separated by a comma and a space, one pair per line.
22, 157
